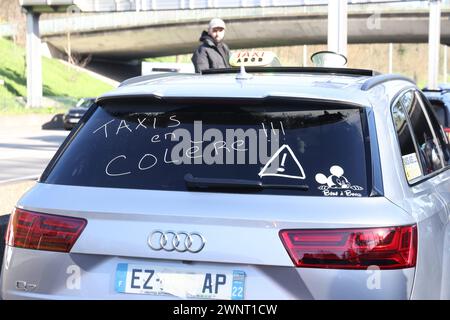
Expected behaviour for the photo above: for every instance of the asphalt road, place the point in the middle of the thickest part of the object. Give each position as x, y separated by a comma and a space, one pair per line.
26, 148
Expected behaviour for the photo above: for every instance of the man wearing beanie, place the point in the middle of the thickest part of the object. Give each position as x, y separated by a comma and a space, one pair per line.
212, 53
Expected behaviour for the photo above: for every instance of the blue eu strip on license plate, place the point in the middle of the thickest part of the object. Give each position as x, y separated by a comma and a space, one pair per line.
237, 290
121, 277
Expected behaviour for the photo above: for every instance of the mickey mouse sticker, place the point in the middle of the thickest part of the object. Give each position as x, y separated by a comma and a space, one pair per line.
337, 184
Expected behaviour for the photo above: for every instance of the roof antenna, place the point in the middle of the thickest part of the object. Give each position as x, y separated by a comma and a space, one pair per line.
243, 75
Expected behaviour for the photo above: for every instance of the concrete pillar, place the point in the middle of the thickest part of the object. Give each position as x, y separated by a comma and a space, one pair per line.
34, 61
337, 26
434, 39
305, 55
444, 65
390, 57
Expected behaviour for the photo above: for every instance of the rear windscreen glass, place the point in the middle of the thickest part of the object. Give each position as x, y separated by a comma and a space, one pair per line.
296, 148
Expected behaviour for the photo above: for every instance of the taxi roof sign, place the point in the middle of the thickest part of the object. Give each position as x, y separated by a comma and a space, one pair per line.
253, 58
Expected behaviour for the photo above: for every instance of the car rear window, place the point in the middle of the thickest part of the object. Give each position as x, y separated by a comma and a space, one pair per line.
270, 147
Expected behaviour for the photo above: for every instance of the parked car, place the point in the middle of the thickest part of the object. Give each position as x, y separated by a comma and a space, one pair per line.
440, 103
272, 183
152, 68
73, 115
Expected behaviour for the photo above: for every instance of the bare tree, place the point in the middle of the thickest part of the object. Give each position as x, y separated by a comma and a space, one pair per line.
11, 12
72, 57
75, 59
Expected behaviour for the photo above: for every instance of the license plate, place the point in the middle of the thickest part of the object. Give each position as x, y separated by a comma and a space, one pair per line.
74, 120
203, 284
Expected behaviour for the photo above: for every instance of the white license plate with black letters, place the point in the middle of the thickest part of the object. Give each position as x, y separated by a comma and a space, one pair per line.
203, 284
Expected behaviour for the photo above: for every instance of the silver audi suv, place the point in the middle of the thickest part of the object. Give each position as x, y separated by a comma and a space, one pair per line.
274, 183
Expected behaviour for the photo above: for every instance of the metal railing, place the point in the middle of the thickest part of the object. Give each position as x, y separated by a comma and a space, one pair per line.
8, 103
147, 5
8, 30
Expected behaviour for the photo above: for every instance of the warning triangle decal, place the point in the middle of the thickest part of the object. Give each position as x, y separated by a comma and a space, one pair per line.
275, 167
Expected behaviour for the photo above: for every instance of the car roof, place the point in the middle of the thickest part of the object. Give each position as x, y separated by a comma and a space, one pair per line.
441, 95
321, 86
433, 94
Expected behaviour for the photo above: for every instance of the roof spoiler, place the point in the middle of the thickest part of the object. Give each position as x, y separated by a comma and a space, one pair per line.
439, 90
324, 70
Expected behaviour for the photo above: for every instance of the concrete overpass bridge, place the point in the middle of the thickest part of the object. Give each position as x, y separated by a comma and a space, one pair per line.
123, 30
130, 35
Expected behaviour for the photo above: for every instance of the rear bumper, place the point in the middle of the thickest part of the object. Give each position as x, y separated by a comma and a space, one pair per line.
30, 274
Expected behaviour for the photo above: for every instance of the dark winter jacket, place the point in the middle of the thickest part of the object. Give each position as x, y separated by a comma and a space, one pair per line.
209, 55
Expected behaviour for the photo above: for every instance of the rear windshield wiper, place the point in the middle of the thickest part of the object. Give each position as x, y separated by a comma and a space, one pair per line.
216, 183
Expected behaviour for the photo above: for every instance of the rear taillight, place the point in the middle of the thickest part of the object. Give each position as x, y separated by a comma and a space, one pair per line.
32, 230
386, 248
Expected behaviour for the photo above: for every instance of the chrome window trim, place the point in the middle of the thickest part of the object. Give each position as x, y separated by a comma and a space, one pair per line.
422, 178
435, 140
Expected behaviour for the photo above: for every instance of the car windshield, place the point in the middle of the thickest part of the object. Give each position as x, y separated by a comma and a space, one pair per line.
271, 147
84, 103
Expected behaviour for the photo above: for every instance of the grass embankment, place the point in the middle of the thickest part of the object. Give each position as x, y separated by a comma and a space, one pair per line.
62, 85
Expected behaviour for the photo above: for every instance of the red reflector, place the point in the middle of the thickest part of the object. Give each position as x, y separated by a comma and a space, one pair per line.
31, 230
386, 248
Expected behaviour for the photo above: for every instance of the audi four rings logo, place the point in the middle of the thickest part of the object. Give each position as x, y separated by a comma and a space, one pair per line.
180, 241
